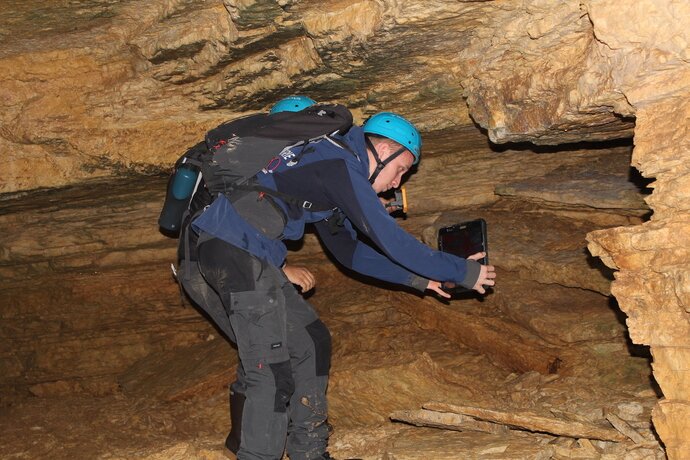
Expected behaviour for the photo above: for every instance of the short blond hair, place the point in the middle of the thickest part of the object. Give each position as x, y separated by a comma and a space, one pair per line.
377, 140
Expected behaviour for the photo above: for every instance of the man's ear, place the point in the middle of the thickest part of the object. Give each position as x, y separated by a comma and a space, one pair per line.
384, 150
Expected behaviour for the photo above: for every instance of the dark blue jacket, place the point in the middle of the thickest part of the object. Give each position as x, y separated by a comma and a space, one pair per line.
338, 178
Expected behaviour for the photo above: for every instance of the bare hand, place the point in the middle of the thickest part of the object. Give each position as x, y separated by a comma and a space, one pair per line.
487, 274
477, 256
436, 287
300, 276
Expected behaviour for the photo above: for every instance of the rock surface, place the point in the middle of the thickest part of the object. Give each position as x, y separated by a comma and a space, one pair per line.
113, 93
652, 284
160, 371
94, 89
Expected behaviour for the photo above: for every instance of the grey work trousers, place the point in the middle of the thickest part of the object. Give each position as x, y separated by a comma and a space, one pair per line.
284, 350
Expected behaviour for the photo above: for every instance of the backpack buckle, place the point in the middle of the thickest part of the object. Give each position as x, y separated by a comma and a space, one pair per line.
307, 204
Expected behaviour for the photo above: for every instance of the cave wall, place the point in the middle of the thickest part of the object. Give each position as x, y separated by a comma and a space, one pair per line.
98, 89
653, 280
616, 61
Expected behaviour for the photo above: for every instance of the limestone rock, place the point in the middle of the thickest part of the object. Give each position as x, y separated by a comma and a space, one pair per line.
600, 182
92, 89
652, 285
534, 75
475, 173
671, 421
513, 347
124, 101
559, 315
532, 422
519, 242
77, 267
182, 373
130, 85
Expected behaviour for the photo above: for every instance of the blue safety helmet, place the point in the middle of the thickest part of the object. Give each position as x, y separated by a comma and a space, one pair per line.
292, 104
396, 128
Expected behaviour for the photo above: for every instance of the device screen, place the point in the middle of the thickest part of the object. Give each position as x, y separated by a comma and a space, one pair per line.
463, 240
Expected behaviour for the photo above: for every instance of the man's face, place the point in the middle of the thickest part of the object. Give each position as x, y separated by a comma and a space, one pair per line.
392, 174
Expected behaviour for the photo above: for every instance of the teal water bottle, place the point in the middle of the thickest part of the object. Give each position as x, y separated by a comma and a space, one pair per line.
184, 181
180, 188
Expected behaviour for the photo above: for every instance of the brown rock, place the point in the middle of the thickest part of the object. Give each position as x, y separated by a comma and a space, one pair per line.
537, 245
447, 421
182, 373
505, 343
532, 422
534, 76
95, 89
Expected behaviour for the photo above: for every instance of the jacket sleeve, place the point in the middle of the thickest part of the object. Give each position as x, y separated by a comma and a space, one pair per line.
364, 259
361, 205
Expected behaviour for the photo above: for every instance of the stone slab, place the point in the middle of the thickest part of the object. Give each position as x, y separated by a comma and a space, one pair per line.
606, 181
182, 373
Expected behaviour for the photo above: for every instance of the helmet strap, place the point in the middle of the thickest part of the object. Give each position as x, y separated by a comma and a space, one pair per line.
380, 164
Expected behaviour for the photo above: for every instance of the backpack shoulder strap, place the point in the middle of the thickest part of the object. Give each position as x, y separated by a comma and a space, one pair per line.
194, 155
343, 145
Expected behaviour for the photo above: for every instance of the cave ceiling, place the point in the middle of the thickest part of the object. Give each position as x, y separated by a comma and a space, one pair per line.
102, 88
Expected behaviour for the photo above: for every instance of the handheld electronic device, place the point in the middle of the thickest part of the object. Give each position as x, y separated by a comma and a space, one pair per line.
400, 200
463, 240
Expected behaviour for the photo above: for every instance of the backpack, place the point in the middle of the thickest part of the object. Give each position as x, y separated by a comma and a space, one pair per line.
235, 151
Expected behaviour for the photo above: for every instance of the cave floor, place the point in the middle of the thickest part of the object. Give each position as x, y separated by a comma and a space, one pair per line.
169, 405
105, 361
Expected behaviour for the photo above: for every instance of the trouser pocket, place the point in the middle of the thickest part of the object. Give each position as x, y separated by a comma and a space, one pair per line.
259, 322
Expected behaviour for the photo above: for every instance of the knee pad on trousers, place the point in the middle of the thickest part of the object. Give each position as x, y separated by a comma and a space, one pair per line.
285, 385
322, 346
232, 442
